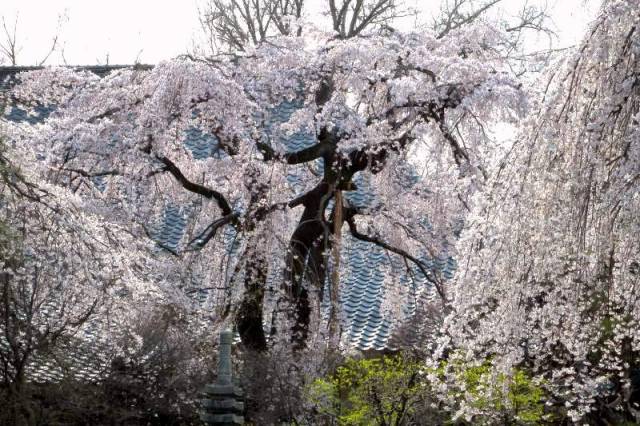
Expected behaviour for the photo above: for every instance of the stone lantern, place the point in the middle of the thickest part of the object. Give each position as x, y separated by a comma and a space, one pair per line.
223, 403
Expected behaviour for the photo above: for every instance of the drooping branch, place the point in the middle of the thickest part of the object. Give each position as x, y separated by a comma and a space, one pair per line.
377, 241
459, 154
87, 174
336, 232
18, 184
107, 113
430, 111
195, 187
322, 149
209, 232
117, 109
248, 316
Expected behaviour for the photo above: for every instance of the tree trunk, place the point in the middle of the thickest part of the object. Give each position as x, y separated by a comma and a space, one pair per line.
334, 323
249, 318
306, 263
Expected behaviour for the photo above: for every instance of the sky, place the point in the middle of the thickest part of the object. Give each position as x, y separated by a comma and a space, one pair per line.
148, 31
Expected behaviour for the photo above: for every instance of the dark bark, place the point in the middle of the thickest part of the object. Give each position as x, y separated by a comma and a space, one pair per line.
195, 187
249, 317
305, 261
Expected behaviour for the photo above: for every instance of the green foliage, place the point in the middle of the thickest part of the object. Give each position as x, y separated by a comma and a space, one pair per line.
383, 391
514, 398
525, 397
394, 390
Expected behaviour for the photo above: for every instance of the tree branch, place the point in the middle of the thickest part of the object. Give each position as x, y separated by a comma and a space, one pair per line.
210, 231
195, 187
158, 243
454, 18
428, 275
87, 174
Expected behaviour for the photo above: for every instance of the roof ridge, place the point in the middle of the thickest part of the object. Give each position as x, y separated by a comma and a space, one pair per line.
8, 73
97, 66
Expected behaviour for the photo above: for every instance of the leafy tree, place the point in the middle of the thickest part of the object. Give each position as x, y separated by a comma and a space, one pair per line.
382, 391
398, 390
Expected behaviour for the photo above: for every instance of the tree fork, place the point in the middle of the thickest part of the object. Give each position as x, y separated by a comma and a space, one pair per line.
306, 258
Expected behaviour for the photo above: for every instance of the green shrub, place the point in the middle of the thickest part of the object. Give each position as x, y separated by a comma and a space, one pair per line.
397, 390
383, 391
478, 393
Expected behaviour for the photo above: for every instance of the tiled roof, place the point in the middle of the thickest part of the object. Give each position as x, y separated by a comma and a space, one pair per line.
366, 267
201, 144
172, 227
20, 115
8, 74
90, 353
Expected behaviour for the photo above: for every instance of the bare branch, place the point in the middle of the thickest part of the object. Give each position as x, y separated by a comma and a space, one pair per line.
236, 24
351, 18
458, 13
8, 47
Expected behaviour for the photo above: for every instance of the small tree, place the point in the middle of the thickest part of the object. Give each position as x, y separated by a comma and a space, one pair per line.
382, 391
57, 268
10, 43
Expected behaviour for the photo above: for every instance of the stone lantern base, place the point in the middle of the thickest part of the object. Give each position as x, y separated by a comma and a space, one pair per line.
222, 405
